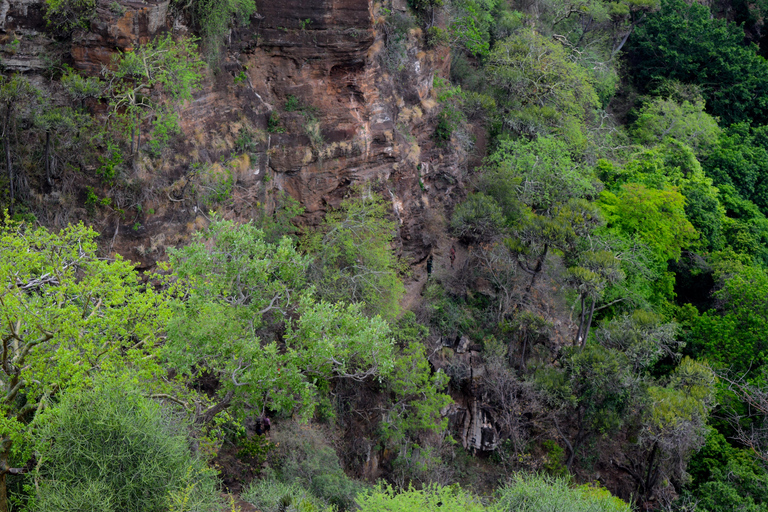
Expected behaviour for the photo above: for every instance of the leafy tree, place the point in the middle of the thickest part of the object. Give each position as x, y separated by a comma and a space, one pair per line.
727, 478
686, 42
656, 217
478, 219
687, 122
354, 260
594, 271
66, 315
540, 90
471, 24
212, 18
418, 397
173, 66
740, 159
642, 337
539, 173
239, 290
541, 192
593, 390
16, 94
733, 335
672, 428
113, 439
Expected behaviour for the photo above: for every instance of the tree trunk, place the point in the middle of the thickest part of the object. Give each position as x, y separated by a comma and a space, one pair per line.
537, 269
8, 164
3, 494
582, 317
588, 325
522, 354
48, 159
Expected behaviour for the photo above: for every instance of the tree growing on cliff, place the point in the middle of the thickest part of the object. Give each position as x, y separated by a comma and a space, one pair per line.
213, 18
137, 79
353, 256
15, 94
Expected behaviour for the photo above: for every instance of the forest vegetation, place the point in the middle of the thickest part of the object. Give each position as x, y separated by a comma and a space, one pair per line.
622, 191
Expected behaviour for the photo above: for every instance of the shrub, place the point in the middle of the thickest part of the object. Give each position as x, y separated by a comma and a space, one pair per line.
66, 16
305, 459
432, 498
478, 219
112, 449
534, 493
213, 17
270, 495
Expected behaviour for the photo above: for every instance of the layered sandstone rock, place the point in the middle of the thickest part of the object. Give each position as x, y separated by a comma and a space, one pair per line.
359, 122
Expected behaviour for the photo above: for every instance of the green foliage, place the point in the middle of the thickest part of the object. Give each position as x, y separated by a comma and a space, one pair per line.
117, 447
641, 336
539, 173
539, 89
686, 42
739, 159
306, 458
271, 495
418, 397
687, 122
255, 449
239, 286
292, 103
213, 18
274, 123
728, 478
656, 217
174, 66
80, 87
396, 27
540, 494
432, 498
67, 313
554, 462
354, 260
733, 336
471, 25
66, 16
443, 130
478, 219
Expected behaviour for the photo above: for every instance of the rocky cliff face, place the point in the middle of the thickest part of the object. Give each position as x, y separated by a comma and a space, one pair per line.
304, 83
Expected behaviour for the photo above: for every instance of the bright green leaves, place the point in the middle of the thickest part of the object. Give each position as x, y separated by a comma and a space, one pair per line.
657, 217
338, 339
734, 335
540, 173
419, 397
67, 315
432, 498
472, 23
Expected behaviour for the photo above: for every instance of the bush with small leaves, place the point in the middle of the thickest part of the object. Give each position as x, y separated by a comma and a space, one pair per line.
111, 448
